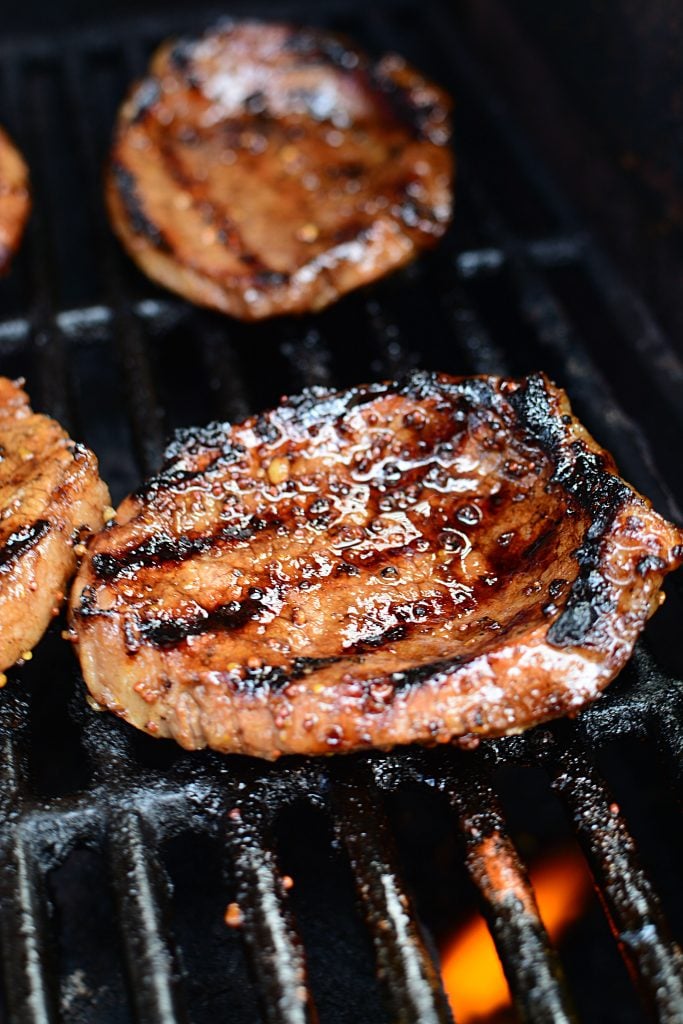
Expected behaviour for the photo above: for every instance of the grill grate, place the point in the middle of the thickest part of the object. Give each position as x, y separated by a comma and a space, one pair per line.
121, 363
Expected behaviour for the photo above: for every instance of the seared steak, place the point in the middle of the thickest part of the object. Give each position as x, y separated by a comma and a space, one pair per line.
415, 561
264, 169
15, 202
51, 497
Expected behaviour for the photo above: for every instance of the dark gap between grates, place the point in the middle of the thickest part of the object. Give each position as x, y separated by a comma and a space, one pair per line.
57, 765
323, 900
215, 975
92, 982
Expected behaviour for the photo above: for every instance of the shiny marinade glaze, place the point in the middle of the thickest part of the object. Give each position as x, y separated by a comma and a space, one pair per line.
264, 169
50, 498
396, 562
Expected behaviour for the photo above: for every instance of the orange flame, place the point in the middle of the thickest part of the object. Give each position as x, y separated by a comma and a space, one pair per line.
470, 968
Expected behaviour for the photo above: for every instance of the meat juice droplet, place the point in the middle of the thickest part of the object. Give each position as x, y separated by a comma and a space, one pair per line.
468, 515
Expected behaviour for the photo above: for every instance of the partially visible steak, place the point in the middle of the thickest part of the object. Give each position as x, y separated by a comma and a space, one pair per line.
414, 561
263, 169
51, 498
15, 201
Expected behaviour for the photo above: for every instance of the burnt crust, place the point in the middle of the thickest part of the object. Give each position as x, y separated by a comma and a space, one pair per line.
356, 151
487, 547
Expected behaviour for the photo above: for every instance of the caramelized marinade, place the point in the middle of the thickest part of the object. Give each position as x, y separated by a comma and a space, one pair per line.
424, 541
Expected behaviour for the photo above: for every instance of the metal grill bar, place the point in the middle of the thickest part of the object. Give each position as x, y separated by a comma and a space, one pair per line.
274, 947
25, 957
508, 902
410, 977
630, 902
138, 879
144, 409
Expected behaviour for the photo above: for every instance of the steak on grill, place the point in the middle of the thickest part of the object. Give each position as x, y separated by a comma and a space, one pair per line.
15, 201
263, 169
51, 497
416, 561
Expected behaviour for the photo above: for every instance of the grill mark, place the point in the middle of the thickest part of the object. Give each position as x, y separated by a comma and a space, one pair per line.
171, 476
127, 189
374, 643
220, 220
165, 549
539, 544
164, 633
21, 541
305, 666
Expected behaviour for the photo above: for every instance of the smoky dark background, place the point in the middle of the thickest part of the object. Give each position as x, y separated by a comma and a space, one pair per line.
599, 83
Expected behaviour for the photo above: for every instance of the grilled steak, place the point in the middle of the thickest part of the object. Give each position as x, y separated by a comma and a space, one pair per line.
263, 169
15, 202
437, 558
51, 497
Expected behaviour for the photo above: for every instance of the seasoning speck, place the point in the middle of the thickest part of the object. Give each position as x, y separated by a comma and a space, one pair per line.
307, 233
278, 470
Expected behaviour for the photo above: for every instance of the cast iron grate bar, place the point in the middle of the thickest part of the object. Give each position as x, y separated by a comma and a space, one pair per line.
530, 963
26, 959
404, 965
275, 949
630, 902
138, 885
144, 410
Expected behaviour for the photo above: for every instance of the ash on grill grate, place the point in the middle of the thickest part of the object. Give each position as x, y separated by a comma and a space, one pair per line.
119, 855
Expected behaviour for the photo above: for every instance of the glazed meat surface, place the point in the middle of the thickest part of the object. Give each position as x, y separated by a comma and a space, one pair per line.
419, 561
51, 497
263, 169
15, 202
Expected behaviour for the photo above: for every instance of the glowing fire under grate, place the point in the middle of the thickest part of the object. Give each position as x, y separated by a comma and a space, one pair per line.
471, 970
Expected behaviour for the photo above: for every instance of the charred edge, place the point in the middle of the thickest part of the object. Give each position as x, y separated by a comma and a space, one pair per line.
274, 678
165, 549
146, 96
170, 632
416, 118
192, 442
196, 440
181, 55
316, 403
582, 474
126, 186
335, 49
21, 541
